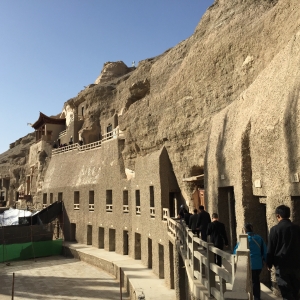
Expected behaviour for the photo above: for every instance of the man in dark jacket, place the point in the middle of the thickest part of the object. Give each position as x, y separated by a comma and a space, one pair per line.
186, 217
193, 222
216, 231
202, 222
284, 253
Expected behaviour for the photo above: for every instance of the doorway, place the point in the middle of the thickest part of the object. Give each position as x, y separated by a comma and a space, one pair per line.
101, 238
89, 238
112, 239
171, 262
226, 210
161, 269
125, 242
172, 204
149, 253
295, 211
73, 232
137, 246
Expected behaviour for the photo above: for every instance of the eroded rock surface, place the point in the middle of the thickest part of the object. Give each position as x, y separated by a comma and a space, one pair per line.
169, 100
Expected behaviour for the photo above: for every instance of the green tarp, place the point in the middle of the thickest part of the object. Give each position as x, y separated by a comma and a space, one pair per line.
29, 250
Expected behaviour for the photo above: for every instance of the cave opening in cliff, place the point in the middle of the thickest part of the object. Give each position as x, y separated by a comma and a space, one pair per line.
226, 211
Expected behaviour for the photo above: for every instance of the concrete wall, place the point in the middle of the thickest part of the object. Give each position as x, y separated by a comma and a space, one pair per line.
100, 170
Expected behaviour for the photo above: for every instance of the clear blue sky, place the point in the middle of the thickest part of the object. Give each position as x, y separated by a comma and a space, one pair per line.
51, 49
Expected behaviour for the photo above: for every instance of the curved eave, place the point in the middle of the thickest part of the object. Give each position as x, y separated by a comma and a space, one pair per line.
43, 119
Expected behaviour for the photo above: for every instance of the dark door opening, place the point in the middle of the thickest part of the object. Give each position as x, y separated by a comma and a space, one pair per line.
171, 262
73, 232
89, 237
125, 243
149, 253
137, 246
101, 238
112, 239
295, 211
172, 204
161, 269
226, 210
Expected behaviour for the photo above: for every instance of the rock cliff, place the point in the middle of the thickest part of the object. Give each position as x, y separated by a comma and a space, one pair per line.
169, 100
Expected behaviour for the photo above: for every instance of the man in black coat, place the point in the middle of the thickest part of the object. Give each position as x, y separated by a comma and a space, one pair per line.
216, 231
202, 222
193, 222
284, 253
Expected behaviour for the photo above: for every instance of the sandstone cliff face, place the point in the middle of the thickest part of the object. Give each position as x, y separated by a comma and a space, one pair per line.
14, 163
169, 100
191, 82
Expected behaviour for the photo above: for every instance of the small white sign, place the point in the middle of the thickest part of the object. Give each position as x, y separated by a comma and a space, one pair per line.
295, 177
257, 183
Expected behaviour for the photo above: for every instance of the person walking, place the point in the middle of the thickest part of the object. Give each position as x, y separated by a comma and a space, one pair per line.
186, 217
284, 253
202, 222
193, 222
216, 231
258, 255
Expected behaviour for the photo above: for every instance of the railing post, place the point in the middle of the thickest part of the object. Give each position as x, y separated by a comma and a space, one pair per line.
194, 248
187, 244
210, 274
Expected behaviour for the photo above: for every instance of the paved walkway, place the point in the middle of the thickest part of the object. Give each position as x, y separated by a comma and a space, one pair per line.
57, 277
140, 277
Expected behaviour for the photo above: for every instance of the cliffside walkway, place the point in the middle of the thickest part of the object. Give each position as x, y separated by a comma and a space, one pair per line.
136, 278
206, 279
115, 133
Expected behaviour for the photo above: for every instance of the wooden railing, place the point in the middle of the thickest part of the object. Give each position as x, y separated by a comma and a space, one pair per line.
203, 272
108, 136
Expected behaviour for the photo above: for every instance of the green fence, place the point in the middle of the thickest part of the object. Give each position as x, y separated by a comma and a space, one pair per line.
22, 251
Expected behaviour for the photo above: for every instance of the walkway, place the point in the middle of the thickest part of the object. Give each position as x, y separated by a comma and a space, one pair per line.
57, 277
140, 278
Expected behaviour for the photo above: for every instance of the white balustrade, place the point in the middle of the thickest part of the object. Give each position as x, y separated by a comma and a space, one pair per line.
110, 135
138, 210
109, 207
91, 207
165, 214
44, 205
76, 206
125, 208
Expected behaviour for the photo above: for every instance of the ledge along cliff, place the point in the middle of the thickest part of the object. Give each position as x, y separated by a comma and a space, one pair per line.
219, 111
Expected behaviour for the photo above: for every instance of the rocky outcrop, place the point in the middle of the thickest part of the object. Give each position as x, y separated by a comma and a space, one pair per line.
112, 70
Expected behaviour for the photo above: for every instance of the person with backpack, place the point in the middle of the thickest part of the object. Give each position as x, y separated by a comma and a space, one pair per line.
258, 255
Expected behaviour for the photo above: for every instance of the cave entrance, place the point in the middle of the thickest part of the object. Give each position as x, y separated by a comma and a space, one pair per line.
226, 210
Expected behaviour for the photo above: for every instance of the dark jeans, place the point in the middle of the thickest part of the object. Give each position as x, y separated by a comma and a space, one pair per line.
203, 234
218, 258
256, 284
288, 281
